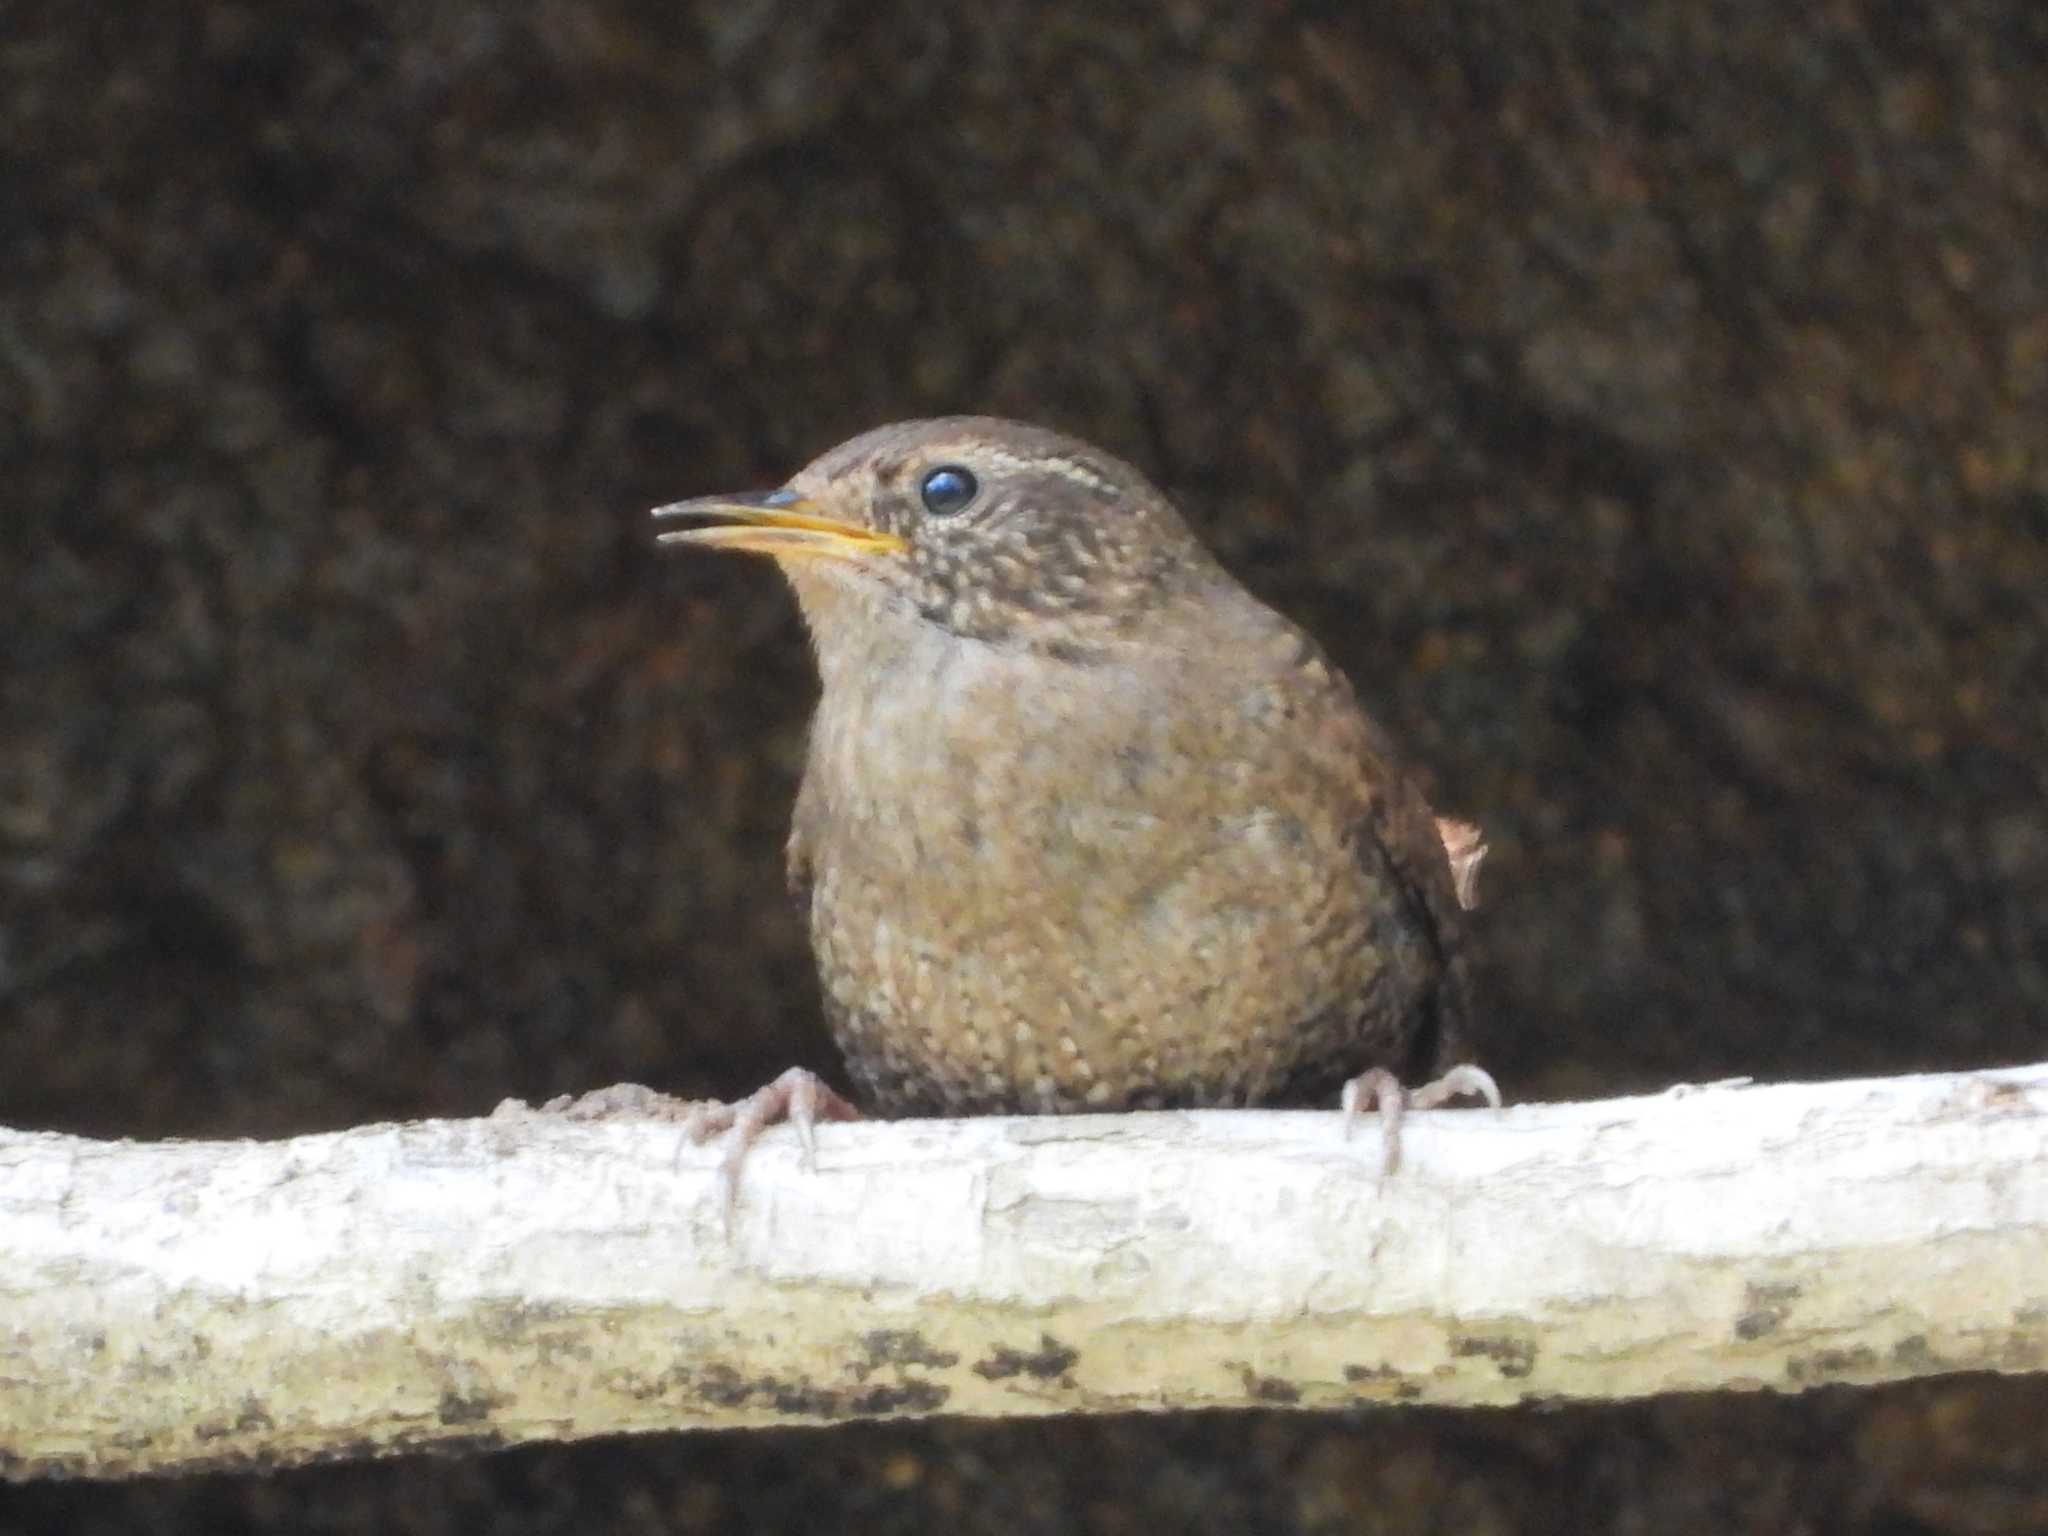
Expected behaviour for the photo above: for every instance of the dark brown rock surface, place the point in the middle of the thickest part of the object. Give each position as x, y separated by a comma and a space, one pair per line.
1644, 404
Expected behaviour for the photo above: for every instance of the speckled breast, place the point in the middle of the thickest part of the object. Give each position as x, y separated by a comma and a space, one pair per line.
1257, 969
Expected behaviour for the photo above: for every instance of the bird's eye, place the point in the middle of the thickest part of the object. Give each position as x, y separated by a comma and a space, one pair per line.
948, 489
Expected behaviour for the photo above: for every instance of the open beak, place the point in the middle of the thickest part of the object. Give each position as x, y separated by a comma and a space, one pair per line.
778, 523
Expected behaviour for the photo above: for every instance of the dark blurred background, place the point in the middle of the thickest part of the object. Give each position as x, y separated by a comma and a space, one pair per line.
1644, 401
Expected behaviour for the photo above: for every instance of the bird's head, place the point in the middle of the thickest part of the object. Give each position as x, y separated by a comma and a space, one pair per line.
993, 530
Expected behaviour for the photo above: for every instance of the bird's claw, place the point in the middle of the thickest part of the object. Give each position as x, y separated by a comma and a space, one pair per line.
1381, 1088
799, 1096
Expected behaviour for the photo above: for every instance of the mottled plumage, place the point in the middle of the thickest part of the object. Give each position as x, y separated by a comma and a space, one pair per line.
1084, 825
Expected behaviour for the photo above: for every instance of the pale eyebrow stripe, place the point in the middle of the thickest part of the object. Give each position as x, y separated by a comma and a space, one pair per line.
1082, 474
1070, 469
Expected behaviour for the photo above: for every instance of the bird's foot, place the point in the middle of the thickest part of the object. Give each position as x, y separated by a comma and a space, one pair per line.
799, 1096
1380, 1087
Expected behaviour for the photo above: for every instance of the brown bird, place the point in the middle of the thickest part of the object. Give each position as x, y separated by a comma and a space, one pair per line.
1084, 825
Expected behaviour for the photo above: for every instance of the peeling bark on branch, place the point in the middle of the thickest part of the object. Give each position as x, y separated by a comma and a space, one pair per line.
178, 1305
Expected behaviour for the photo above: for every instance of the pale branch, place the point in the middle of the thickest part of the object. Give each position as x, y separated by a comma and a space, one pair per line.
186, 1304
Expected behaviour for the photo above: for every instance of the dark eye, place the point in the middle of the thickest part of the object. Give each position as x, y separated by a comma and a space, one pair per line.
948, 489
